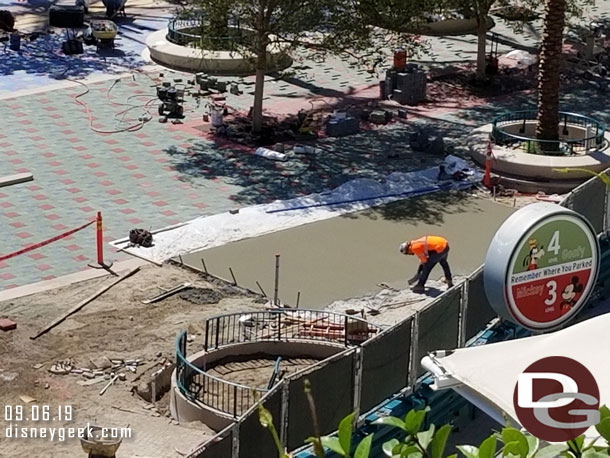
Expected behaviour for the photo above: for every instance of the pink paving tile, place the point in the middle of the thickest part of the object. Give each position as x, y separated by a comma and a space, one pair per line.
162, 160
22, 170
3, 264
52, 216
86, 156
135, 220
147, 144
25, 122
59, 227
127, 211
142, 135
73, 190
80, 258
60, 172
168, 213
48, 277
72, 247
49, 108
5, 144
118, 150
113, 192
37, 138
11, 214
160, 203
155, 152
93, 165
34, 188
193, 195
99, 174
111, 141
120, 201
17, 224
145, 185
54, 163
138, 176
106, 183
2, 195
184, 186
87, 209
23, 235
131, 167
124, 158
74, 140
67, 181
46, 207
37, 256
58, 116
200, 205
30, 130
7, 276
40, 197
43, 267
48, 155
67, 132
223, 188
80, 199
6, 205
80, 148
153, 193
11, 152
16, 161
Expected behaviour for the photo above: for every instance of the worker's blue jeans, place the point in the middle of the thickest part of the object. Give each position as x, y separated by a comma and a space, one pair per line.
434, 258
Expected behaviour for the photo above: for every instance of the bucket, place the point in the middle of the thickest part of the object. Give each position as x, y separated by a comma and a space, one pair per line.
400, 59
216, 116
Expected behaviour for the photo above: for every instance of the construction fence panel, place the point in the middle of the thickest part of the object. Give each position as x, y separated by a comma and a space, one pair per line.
385, 365
219, 447
590, 201
254, 440
438, 326
478, 309
332, 387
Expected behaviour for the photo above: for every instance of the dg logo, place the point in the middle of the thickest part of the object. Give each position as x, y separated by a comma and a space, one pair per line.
556, 399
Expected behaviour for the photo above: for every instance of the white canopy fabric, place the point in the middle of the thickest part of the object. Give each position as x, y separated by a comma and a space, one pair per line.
486, 375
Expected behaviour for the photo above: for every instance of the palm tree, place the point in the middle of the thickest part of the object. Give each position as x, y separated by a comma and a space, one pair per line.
549, 71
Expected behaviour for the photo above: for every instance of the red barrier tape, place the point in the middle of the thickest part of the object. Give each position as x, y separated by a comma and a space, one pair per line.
46, 242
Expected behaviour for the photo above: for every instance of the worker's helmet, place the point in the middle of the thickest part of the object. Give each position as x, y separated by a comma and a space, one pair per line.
404, 247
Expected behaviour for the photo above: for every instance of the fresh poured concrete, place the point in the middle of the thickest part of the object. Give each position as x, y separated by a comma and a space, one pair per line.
348, 256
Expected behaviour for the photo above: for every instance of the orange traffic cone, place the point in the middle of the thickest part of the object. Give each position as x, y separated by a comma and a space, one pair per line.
487, 177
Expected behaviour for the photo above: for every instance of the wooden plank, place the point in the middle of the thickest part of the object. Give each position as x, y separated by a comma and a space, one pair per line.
84, 302
10, 180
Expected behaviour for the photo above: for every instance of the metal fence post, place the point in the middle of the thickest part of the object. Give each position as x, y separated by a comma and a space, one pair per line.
279, 326
285, 412
234, 401
412, 375
463, 314
217, 331
605, 223
207, 332
235, 440
358, 356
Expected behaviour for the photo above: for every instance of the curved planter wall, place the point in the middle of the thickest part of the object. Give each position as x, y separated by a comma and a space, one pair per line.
185, 410
195, 60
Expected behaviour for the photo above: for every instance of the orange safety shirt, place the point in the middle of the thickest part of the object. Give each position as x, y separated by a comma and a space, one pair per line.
423, 245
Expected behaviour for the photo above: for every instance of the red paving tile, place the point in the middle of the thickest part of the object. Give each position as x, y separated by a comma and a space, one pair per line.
73, 190
23, 235
52, 216
40, 197
59, 227
127, 211
6, 205
72, 247
47, 207
37, 256
7, 276
11, 214
120, 201
43, 267
17, 224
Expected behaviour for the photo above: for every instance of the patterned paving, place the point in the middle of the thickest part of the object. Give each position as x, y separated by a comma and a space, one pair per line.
163, 174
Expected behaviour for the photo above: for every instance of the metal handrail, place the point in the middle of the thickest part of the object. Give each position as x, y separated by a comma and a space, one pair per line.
176, 32
532, 145
277, 325
235, 328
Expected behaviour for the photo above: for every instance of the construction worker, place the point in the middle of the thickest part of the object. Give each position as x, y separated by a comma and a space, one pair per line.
430, 250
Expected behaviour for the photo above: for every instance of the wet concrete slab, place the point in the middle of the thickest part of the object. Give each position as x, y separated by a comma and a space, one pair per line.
348, 256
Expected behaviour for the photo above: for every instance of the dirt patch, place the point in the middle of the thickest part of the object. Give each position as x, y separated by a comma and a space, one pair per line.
116, 327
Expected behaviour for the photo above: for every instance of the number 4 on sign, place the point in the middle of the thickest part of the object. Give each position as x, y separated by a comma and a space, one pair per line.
554, 244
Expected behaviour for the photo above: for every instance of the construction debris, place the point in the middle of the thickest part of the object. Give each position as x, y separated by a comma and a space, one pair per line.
167, 293
112, 380
81, 304
7, 325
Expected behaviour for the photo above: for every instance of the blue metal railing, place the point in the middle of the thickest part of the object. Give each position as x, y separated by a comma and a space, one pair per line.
562, 146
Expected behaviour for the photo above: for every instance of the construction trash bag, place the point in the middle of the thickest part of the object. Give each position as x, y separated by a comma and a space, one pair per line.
140, 237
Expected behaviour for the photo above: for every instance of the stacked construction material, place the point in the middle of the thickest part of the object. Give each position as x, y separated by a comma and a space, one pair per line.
406, 86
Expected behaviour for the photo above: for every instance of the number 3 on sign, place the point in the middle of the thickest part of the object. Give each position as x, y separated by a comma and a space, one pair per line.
552, 286
554, 243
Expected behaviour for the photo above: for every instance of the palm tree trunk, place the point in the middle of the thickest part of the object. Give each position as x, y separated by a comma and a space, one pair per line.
548, 73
